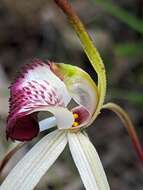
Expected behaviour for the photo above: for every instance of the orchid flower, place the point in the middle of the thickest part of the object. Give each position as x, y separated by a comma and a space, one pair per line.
50, 87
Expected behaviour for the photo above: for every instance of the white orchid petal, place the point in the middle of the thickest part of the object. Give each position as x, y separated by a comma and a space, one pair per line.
87, 162
47, 123
28, 172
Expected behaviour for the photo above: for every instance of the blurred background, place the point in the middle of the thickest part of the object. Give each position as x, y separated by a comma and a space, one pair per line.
37, 28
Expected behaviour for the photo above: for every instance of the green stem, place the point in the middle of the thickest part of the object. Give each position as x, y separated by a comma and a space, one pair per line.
89, 48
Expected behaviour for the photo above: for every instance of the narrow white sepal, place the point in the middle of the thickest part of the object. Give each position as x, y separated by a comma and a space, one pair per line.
28, 172
47, 123
87, 162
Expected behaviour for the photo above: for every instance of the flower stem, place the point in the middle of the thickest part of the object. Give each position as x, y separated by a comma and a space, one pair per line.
89, 48
128, 125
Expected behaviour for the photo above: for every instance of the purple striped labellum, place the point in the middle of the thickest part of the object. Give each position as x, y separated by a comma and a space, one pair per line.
40, 87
